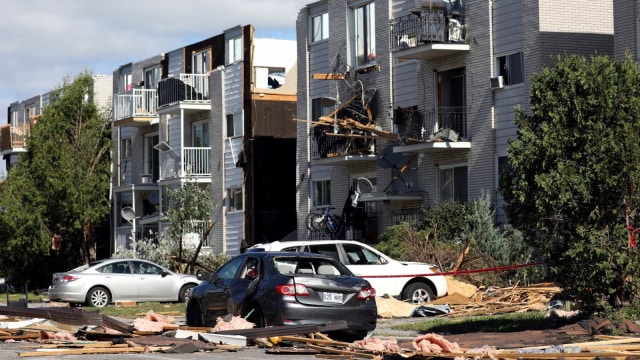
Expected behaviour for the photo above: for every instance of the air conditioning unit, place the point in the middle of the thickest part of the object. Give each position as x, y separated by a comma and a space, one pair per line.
497, 82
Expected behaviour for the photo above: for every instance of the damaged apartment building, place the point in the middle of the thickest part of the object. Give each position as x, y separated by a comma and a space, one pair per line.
411, 103
219, 112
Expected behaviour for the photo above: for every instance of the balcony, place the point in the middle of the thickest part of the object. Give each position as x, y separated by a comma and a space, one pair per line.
138, 107
443, 128
186, 88
13, 138
328, 148
428, 34
191, 161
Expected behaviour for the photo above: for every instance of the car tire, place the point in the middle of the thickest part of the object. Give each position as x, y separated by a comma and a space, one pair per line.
194, 315
182, 296
254, 314
418, 293
98, 297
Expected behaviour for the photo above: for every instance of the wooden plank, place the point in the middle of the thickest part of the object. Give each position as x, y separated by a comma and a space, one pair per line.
138, 349
329, 76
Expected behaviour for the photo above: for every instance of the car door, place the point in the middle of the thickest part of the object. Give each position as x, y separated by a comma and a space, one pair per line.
217, 300
370, 265
154, 284
118, 279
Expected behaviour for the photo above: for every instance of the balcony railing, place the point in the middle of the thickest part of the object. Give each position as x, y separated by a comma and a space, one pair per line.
186, 87
194, 161
137, 102
12, 137
430, 26
435, 125
194, 231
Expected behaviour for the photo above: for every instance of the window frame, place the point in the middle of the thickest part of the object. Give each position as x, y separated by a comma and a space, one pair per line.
319, 25
201, 61
200, 130
233, 47
321, 193
151, 156
153, 73
455, 172
363, 38
125, 149
235, 199
511, 68
235, 124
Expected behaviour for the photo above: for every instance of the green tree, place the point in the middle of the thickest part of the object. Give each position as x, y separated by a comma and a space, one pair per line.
60, 187
575, 176
189, 209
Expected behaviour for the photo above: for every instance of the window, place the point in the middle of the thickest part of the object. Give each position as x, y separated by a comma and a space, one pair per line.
234, 199
320, 27
453, 183
200, 134
151, 156
201, 62
505, 169
511, 68
126, 82
234, 125
321, 192
363, 41
269, 77
234, 50
125, 149
320, 108
151, 77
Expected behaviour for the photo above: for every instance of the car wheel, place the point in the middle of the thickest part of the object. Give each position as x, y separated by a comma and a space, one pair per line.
254, 314
98, 297
194, 315
182, 296
418, 293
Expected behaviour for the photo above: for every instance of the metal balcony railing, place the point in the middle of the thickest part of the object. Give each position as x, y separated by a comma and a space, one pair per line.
430, 26
137, 102
192, 161
184, 88
434, 124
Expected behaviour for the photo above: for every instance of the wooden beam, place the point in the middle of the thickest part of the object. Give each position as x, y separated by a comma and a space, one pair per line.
329, 76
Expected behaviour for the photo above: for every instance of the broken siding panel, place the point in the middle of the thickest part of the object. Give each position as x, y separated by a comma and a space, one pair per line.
234, 230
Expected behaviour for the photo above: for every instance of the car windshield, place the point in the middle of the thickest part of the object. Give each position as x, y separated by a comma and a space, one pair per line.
309, 266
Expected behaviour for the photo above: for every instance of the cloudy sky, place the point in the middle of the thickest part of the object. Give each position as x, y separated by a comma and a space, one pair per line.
44, 41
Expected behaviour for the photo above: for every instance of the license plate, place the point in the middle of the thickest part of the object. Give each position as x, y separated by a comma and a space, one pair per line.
332, 297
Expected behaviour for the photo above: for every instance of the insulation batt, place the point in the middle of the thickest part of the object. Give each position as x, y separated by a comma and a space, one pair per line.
379, 345
152, 322
434, 343
236, 323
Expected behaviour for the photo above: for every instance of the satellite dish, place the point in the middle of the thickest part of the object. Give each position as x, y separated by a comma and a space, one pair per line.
387, 159
127, 213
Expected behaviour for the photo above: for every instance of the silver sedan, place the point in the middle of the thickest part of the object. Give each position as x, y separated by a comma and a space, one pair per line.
106, 281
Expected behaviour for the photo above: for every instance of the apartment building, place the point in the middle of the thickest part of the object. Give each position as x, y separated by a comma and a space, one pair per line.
219, 112
22, 115
410, 103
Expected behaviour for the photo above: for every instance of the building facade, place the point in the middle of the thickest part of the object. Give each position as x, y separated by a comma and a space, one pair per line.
219, 112
436, 84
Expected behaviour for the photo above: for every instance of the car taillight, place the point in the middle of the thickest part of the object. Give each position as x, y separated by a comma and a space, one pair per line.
366, 293
292, 290
69, 278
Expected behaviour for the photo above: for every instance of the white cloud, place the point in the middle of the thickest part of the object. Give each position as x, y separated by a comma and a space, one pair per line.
46, 40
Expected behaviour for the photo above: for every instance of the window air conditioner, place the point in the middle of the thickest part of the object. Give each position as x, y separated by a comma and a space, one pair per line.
497, 82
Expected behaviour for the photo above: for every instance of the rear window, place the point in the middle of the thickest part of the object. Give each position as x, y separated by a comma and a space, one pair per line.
309, 266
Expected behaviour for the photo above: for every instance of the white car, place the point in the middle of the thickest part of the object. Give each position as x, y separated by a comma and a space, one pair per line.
415, 282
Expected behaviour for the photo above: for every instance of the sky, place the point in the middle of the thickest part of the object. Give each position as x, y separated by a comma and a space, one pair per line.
45, 41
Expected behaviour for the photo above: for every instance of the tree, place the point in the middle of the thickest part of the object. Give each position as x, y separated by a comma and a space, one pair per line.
189, 209
60, 187
575, 177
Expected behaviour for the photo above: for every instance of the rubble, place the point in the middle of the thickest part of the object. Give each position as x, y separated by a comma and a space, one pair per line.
61, 331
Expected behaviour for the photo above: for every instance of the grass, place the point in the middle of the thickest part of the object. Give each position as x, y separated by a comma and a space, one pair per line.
126, 312
494, 323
